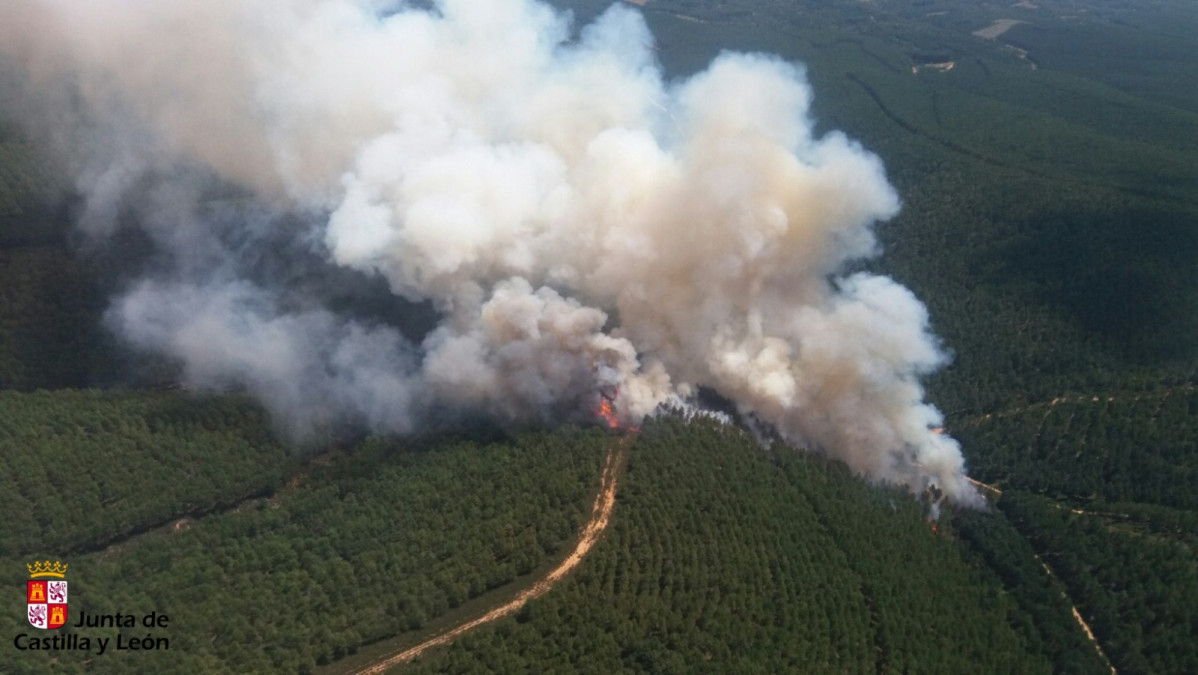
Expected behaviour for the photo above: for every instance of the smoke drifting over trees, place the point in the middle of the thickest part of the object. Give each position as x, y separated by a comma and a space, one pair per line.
580, 224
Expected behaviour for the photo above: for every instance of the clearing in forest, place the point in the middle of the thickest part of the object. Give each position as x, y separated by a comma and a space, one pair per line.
997, 28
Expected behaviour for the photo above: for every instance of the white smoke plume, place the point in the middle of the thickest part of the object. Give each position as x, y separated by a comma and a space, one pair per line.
580, 224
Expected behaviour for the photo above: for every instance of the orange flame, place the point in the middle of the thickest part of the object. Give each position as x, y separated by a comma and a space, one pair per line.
607, 410
608, 413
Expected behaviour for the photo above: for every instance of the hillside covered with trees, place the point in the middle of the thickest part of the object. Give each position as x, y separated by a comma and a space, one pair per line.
358, 545
725, 557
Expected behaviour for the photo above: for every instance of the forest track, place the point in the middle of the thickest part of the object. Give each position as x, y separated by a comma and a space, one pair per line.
1076, 399
181, 522
1077, 616
601, 510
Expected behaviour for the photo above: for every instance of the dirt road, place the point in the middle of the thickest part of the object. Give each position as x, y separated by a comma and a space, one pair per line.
1077, 616
601, 511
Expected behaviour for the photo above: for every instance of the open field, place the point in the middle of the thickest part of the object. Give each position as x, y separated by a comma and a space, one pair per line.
994, 30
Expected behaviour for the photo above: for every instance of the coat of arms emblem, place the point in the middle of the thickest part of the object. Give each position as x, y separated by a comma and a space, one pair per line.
46, 595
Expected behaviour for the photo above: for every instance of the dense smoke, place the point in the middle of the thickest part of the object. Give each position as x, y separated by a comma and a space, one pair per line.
580, 225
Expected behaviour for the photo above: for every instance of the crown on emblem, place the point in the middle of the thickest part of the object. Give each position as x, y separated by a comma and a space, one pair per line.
46, 569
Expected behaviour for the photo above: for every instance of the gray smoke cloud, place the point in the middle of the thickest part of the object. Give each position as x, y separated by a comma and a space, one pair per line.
580, 224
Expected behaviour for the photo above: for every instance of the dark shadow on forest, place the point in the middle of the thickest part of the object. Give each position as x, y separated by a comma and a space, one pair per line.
1129, 277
